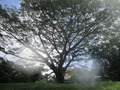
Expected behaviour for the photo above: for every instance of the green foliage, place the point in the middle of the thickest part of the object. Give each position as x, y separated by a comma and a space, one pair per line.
9, 73
3, 12
108, 55
6, 72
105, 49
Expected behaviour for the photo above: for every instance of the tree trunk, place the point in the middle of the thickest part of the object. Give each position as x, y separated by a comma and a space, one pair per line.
59, 77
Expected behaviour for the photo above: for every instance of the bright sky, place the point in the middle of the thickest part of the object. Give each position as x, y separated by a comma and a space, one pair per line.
10, 3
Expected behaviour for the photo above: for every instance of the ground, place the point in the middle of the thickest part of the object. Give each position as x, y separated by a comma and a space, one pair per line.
50, 86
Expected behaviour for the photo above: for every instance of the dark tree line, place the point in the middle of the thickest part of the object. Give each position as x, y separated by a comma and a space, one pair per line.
106, 48
108, 55
9, 73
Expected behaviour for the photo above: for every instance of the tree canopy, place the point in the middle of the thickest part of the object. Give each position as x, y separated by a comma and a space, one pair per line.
56, 31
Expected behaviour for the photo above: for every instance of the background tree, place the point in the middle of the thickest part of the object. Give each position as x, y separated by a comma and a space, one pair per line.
108, 55
105, 48
56, 31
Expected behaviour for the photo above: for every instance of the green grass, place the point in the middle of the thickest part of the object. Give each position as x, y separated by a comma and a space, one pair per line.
51, 86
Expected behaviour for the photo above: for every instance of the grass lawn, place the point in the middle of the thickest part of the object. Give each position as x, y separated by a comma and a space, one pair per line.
50, 86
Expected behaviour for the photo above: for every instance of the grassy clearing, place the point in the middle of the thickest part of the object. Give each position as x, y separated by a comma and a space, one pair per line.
50, 86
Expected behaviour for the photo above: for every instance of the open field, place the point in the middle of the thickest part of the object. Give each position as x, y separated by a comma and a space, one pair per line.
50, 86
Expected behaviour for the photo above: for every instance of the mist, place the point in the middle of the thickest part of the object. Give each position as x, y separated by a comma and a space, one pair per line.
53, 43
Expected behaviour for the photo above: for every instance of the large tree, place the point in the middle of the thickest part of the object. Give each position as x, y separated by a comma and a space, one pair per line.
56, 31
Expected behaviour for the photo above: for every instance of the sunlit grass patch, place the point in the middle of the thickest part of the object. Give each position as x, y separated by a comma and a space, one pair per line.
53, 86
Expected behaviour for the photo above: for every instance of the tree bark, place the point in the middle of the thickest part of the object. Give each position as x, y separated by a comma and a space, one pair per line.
59, 77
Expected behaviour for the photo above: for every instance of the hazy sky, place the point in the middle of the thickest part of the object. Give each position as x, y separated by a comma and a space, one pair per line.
10, 3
